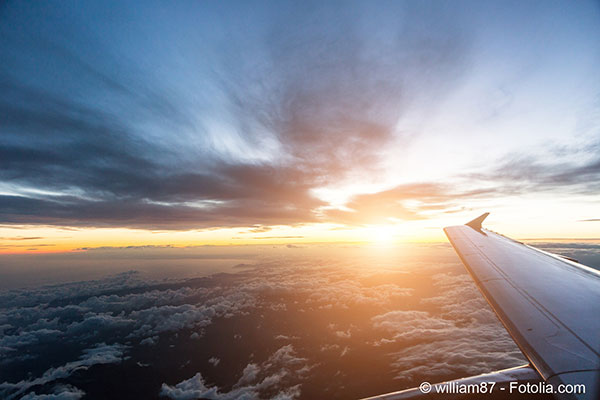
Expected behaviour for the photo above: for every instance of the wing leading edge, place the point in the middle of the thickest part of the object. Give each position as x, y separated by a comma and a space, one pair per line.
548, 304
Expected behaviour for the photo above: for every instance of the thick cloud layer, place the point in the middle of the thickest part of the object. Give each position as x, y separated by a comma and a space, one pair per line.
321, 322
304, 326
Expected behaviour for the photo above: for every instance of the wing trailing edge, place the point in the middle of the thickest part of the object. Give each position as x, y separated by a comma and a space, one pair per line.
449, 390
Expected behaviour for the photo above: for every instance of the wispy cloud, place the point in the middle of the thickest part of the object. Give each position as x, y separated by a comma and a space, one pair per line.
313, 104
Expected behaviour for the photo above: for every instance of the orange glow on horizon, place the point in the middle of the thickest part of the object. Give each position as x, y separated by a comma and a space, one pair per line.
48, 239
32, 239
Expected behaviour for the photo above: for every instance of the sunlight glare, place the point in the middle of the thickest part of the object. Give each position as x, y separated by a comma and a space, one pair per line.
382, 234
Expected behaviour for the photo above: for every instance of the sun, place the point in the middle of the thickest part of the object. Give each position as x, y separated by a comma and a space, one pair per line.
382, 234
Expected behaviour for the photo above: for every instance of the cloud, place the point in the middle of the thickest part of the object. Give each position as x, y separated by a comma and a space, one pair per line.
54, 293
93, 323
100, 354
345, 351
149, 341
10, 342
60, 392
408, 202
508, 176
144, 314
242, 142
259, 229
343, 334
587, 253
411, 324
463, 338
271, 375
22, 238
521, 173
285, 337
417, 319
324, 287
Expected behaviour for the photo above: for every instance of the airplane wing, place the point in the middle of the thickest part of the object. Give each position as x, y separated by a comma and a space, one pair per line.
549, 304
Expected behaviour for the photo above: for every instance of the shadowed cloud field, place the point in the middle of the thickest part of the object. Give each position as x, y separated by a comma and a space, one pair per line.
290, 323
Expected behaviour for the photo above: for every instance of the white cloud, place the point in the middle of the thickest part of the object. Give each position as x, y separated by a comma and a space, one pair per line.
12, 342
463, 337
412, 324
343, 334
272, 373
100, 354
249, 374
325, 288
286, 356
94, 323
345, 351
60, 392
285, 337
149, 341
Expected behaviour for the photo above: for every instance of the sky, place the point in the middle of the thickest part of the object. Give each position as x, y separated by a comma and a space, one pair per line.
194, 123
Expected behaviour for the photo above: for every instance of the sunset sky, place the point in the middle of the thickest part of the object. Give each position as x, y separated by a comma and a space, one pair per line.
191, 123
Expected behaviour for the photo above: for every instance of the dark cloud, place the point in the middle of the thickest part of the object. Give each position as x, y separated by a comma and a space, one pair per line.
105, 143
100, 354
6, 246
259, 229
279, 237
22, 238
521, 173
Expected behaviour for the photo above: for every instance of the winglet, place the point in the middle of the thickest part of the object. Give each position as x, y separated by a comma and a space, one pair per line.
476, 223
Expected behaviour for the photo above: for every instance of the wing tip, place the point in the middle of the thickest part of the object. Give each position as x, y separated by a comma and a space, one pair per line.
476, 223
